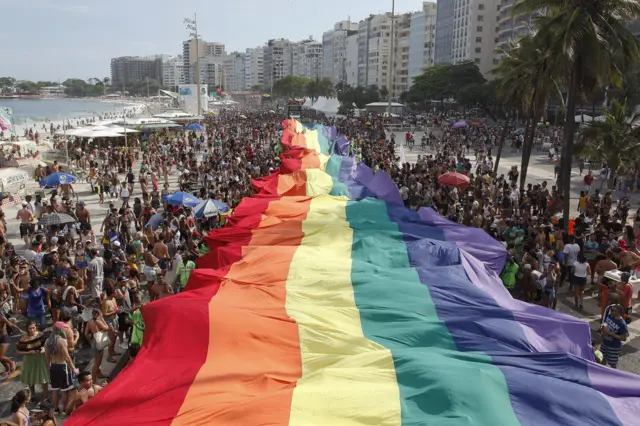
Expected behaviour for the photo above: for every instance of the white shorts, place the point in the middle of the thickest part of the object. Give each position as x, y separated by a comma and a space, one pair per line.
96, 287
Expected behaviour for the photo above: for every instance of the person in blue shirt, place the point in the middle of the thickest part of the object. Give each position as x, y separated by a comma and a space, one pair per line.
614, 331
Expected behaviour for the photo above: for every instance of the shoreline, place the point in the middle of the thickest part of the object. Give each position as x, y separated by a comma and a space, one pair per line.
134, 107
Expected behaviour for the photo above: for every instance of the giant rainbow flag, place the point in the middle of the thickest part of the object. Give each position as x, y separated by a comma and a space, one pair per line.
326, 302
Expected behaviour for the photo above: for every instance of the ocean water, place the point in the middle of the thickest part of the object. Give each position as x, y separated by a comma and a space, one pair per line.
29, 112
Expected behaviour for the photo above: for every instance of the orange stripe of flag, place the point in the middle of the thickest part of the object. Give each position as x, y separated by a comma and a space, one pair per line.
253, 360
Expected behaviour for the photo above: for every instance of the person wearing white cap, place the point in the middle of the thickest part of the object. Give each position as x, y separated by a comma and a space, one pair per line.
26, 223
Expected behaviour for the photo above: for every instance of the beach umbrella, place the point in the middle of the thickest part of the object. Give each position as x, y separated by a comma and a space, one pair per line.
182, 199
56, 219
5, 124
194, 126
454, 179
206, 208
209, 208
155, 221
56, 179
460, 124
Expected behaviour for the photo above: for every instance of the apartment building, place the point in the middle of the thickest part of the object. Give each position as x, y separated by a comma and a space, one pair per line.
466, 31
193, 48
374, 38
173, 72
133, 69
277, 61
334, 44
422, 40
234, 77
307, 58
254, 67
508, 27
351, 63
401, 47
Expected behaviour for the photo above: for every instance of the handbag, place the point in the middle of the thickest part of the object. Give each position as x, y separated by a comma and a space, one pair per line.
102, 340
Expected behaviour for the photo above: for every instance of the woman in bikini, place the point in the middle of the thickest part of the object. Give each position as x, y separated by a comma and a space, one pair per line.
5, 341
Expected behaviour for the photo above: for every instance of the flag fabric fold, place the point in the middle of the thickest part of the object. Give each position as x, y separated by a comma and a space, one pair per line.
324, 301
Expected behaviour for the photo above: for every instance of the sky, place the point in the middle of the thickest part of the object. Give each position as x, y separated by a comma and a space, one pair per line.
54, 40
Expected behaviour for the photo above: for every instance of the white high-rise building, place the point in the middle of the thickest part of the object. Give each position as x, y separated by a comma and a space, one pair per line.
374, 37
466, 31
509, 27
173, 72
422, 38
204, 49
351, 63
254, 67
401, 47
234, 77
277, 61
307, 57
334, 43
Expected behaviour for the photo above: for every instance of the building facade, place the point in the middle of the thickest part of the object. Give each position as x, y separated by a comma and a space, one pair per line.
374, 38
401, 46
193, 48
254, 67
234, 72
307, 59
334, 43
173, 72
509, 28
444, 32
134, 69
277, 61
466, 31
351, 63
422, 39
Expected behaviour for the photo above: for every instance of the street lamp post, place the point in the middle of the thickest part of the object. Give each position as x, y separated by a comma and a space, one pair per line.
391, 58
192, 25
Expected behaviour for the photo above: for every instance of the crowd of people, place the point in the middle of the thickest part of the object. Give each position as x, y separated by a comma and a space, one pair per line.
75, 286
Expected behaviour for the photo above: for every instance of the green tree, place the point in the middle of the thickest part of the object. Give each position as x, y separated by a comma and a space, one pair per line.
6, 83
526, 80
614, 140
591, 45
291, 87
26, 86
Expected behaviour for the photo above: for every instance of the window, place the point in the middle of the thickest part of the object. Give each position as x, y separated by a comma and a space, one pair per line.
495, 61
480, 6
478, 39
480, 18
479, 28
478, 50
476, 60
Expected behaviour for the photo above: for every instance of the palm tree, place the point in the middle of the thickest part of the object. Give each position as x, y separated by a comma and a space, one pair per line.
525, 81
613, 140
590, 45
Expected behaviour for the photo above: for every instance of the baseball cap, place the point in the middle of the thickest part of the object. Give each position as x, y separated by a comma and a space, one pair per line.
81, 203
24, 204
54, 240
116, 244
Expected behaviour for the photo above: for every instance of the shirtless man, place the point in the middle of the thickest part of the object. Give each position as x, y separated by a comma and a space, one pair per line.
21, 281
161, 251
83, 215
61, 367
87, 391
26, 223
162, 290
67, 190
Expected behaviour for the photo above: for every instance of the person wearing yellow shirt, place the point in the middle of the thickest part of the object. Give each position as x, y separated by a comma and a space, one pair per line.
582, 202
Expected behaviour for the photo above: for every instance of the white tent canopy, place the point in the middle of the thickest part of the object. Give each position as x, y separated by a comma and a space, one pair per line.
326, 105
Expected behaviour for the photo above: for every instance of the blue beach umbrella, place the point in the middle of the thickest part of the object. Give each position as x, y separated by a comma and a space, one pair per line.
56, 179
182, 199
210, 208
155, 221
195, 126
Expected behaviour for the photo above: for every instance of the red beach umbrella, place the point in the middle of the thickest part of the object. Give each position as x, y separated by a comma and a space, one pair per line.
454, 179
